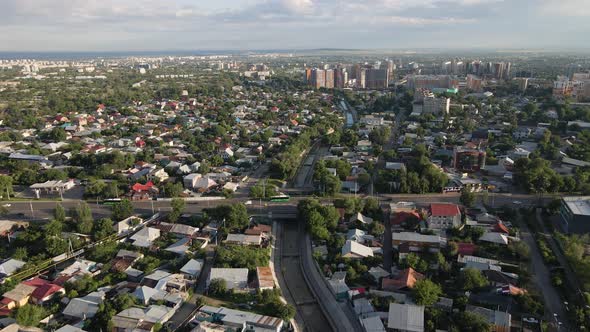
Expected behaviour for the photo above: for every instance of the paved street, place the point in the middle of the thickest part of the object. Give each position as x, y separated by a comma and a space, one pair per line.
541, 276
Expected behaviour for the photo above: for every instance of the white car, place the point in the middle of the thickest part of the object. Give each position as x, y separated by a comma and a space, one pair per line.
248, 203
516, 202
531, 320
6, 205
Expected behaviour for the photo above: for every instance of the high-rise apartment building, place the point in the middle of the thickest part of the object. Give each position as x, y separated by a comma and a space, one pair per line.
329, 79
318, 78
377, 78
339, 78
431, 82
474, 83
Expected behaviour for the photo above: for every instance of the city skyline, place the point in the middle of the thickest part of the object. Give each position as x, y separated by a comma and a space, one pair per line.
133, 25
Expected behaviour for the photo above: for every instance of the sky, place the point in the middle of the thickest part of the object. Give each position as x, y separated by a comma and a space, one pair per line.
158, 25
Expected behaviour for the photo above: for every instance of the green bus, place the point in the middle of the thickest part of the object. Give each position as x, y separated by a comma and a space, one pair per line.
280, 198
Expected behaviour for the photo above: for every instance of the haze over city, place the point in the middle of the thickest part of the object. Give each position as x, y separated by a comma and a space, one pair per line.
132, 25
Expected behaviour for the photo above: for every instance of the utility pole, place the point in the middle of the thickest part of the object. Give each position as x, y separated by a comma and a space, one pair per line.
153, 212
32, 212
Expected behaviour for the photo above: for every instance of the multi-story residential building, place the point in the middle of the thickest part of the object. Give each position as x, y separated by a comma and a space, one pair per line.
436, 105
474, 83
578, 87
444, 216
575, 214
318, 78
339, 78
329, 79
469, 159
377, 78
432, 82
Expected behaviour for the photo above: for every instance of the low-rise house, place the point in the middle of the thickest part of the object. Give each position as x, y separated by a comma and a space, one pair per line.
128, 224
9, 267
418, 242
178, 230
77, 270
124, 260
190, 180
145, 237
180, 247
405, 317
493, 237
143, 294
18, 296
243, 239
264, 278
372, 324
157, 280
44, 290
353, 249
235, 278
141, 319
499, 320
192, 269
241, 320
444, 216
361, 218
259, 229
51, 187
405, 280
143, 191
83, 308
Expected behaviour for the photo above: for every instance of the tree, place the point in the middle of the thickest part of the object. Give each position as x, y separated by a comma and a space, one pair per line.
467, 197
55, 245
59, 213
471, 278
102, 229
5, 186
20, 253
471, 322
178, 205
83, 218
520, 249
30, 315
122, 210
217, 288
172, 189
426, 292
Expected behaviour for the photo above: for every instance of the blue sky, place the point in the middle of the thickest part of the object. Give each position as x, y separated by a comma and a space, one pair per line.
135, 25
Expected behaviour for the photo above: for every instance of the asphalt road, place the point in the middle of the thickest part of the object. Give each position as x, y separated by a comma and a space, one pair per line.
541, 276
44, 209
311, 317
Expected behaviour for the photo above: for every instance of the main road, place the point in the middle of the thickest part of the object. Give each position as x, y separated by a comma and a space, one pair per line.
34, 209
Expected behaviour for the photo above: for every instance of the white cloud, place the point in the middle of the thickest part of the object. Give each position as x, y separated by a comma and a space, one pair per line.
298, 6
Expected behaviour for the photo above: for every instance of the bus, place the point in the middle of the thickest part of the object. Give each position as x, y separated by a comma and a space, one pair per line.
280, 198
111, 201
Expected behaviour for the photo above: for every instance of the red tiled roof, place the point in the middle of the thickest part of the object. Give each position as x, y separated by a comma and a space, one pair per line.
36, 282
444, 210
406, 279
45, 291
258, 229
501, 228
143, 187
400, 217
466, 248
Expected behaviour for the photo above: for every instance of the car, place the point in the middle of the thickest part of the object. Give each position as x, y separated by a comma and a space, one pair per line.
6, 205
530, 320
516, 202
248, 203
